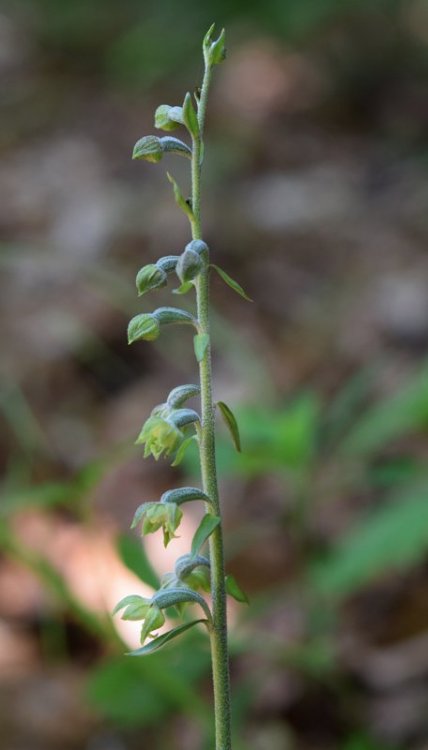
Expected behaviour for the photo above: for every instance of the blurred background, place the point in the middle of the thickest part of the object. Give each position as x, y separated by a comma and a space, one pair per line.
315, 199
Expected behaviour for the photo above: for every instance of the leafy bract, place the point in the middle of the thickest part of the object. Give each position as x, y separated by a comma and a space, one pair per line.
163, 639
233, 589
204, 530
231, 423
200, 344
231, 282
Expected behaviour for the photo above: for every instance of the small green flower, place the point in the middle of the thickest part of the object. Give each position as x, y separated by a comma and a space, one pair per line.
154, 620
154, 516
135, 607
159, 435
198, 580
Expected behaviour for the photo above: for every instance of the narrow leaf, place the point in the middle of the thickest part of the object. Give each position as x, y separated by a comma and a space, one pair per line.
204, 530
180, 201
163, 639
200, 345
234, 590
182, 450
231, 423
231, 282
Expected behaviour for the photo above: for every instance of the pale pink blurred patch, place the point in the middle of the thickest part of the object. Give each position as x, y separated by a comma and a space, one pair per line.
265, 78
87, 559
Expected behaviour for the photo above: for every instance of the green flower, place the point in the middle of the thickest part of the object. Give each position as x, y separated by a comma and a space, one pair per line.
154, 620
139, 608
135, 607
154, 516
159, 435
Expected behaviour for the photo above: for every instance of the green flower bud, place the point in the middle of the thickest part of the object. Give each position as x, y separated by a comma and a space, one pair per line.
168, 118
189, 265
150, 277
144, 326
198, 246
151, 148
148, 148
214, 51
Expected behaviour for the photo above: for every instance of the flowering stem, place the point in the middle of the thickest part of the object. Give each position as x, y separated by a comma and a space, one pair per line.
219, 647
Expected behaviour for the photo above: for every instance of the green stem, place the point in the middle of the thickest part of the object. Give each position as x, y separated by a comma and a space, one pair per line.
219, 647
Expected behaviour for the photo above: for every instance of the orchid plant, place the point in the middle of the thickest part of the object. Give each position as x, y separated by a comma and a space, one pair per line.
199, 576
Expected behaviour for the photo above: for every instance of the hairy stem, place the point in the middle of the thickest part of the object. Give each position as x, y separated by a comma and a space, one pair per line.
219, 648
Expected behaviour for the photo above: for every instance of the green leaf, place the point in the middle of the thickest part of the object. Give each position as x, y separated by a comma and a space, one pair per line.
200, 344
392, 537
231, 282
143, 327
163, 639
132, 553
204, 530
180, 201
182, 450
234, 590
190, 117
231, 423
